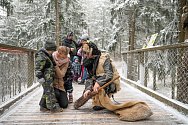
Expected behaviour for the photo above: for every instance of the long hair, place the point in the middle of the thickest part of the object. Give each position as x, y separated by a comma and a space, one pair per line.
63, 49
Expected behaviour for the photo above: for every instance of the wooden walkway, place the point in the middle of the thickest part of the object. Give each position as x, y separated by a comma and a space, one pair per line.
27, 112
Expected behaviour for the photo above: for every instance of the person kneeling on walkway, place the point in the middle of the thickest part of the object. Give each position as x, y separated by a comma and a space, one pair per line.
44, 69
102, 71
62, 62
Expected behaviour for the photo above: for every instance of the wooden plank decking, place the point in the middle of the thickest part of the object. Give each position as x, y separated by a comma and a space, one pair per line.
27, 112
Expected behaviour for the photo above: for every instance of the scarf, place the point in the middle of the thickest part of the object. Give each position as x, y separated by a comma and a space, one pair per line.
59, 61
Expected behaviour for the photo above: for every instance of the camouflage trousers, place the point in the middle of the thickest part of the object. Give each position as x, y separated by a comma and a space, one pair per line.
48, 99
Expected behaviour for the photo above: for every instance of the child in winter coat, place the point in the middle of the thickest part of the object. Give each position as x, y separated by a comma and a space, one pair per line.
76, 66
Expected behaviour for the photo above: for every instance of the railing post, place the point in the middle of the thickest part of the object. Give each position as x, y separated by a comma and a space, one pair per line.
154, 78
124, 70
30, 68
173, 83
142, 68
145, 69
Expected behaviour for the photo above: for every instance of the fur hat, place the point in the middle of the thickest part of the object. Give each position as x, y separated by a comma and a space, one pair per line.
50, 46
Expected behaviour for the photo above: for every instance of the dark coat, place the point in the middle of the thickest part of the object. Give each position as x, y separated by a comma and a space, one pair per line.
71, 44
101, 71
44, 67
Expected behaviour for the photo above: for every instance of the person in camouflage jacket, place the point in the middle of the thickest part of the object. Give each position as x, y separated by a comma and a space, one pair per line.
44, 70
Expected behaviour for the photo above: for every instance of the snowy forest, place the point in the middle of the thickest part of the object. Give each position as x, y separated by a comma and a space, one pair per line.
114, 25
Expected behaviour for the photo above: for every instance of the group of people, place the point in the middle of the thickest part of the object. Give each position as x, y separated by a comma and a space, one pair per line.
56, 68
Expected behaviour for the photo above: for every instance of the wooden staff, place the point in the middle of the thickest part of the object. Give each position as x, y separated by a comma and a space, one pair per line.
82, 100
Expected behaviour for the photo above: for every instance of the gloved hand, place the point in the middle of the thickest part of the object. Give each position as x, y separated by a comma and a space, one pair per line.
41, 80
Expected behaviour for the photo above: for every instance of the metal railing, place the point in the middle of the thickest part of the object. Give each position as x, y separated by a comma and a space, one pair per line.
16, 71
163, 69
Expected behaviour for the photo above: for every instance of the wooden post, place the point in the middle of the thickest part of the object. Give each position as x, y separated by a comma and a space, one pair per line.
154, 78
141, 68
145, 69
31, 70
125, 66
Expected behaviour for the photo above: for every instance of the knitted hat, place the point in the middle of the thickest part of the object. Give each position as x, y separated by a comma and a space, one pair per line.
51, 46
75, 57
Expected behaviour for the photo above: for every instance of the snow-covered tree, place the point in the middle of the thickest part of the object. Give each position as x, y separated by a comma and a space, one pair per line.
98, 20
151, 16
32, 21
72, 18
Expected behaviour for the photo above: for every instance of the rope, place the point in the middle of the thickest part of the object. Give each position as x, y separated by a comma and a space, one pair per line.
115, 100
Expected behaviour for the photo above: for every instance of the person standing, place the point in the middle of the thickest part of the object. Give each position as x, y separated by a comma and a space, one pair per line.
69, 42
84, 74
44, 70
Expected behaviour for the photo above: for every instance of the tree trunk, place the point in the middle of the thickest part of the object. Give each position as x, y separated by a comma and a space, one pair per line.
182, 3
120, 44
131, 43
57, 11
103, 28
132, 22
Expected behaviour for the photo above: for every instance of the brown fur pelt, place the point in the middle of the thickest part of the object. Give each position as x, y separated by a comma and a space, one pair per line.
127, 111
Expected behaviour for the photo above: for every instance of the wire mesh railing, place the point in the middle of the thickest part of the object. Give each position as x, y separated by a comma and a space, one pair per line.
163, 69
17, 71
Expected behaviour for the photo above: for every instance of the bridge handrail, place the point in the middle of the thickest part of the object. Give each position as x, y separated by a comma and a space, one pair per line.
11, 47
16, 74
162, 69
178, 45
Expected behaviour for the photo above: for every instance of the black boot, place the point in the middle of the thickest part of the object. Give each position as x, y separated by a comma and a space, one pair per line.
97, 108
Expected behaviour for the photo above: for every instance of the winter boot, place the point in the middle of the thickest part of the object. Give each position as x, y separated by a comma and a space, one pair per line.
57, 108
70, 98
43, 109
